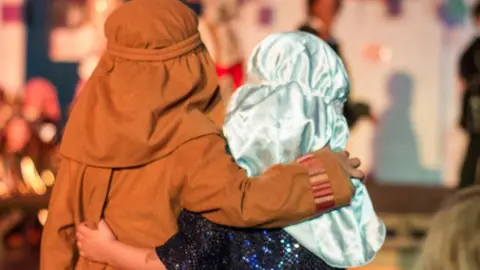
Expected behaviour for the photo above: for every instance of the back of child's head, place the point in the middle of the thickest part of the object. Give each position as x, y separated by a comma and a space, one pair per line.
292, 103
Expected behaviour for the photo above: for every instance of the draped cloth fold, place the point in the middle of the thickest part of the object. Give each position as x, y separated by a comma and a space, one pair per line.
292, 106
135, 54
152, 91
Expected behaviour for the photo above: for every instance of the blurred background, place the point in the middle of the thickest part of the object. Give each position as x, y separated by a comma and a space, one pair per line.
414, 120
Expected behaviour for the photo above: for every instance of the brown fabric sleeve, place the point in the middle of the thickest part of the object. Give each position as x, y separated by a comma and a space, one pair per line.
331, 189
78, 196
58, 239
215, 186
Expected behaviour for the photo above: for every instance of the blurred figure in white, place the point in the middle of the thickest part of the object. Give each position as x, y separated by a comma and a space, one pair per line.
98, 11
217, 27
85, 69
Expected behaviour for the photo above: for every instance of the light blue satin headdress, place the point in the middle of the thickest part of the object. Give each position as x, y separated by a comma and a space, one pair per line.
295, 107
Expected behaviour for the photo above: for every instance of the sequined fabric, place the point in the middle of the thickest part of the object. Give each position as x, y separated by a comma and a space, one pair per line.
202, 245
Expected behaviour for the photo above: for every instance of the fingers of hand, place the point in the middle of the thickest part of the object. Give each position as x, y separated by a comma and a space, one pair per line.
102, 225
83, 229
355, 173
80, 236
354, 162
104, 228
80, 249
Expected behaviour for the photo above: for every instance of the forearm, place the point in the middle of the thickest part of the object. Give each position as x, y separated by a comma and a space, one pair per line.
283, 195
274, 200
123, 256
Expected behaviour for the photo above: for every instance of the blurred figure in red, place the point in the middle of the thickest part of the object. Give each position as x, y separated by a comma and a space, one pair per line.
41, 108
27, 131
18, 135
41, 101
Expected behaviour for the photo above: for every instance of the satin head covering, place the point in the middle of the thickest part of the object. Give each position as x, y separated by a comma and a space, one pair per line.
152, 91
295, 107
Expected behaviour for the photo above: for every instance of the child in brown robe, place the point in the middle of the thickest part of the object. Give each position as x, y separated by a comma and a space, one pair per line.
140, 145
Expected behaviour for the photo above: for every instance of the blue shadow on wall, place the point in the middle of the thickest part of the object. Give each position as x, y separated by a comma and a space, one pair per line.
62, 75
396, 157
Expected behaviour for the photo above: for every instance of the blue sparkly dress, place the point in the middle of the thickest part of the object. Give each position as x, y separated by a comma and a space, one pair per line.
203, 245
291, 105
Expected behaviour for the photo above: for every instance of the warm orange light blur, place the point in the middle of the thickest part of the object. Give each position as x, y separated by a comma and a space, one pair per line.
42, 216
31, 177
4, 191
48, 178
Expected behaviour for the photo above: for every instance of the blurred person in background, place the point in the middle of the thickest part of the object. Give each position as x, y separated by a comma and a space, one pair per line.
217, 28
469, 73
321, 18
18, 134
97, 12
85, 70
453, 240
40, 101
41, 109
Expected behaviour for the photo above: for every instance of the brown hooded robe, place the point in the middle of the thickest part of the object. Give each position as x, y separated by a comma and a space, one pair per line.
140, 144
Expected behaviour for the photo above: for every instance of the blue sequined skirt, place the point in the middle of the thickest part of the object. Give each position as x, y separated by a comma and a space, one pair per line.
202, 245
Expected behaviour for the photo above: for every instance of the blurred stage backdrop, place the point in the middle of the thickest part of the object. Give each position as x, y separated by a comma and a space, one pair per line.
402, 58
401, 54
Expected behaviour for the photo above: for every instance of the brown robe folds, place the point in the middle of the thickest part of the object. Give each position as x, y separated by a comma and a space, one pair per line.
140, 145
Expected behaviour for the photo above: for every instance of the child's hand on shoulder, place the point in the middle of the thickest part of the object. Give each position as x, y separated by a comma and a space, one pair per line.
94, 244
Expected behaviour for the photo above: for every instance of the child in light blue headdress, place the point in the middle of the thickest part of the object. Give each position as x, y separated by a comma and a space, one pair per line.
296, 107
292, 106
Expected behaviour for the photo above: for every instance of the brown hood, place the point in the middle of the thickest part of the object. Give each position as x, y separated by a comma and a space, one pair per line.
153, 89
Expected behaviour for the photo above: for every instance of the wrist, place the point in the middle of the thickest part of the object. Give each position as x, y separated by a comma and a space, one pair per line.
110, 250
330, 188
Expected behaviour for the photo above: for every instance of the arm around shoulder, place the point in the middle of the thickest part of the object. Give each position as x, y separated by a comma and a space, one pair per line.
214, 185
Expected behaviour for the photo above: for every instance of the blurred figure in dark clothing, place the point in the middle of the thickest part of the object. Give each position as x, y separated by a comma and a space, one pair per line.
469, 71
321, 16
